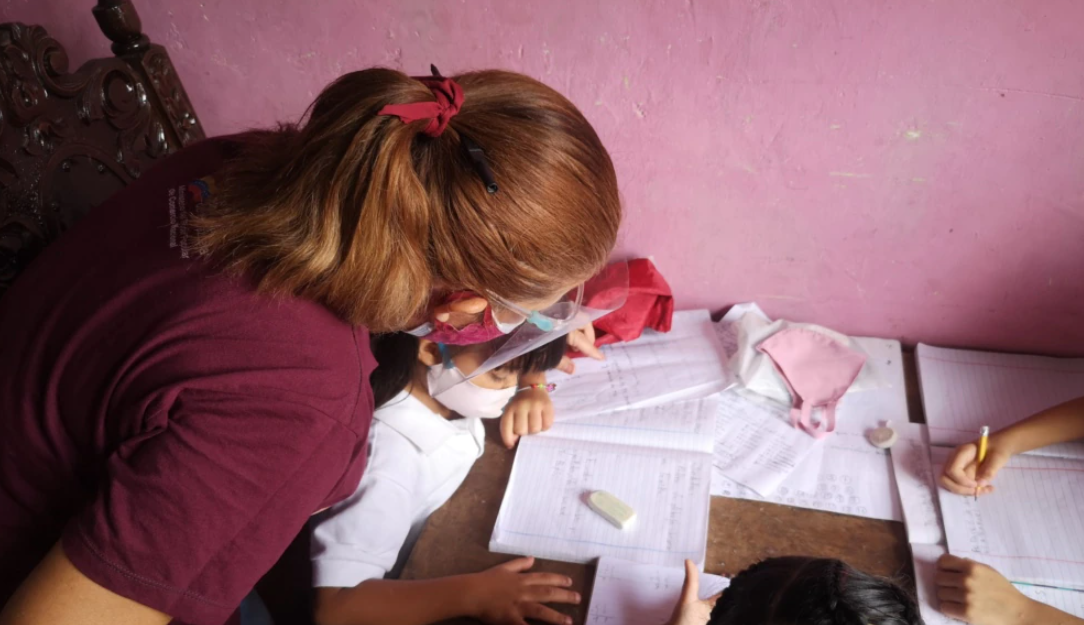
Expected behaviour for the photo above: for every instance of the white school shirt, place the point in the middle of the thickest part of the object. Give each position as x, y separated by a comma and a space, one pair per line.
417, 459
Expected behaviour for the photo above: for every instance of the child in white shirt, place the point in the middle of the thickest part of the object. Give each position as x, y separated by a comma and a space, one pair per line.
421, 447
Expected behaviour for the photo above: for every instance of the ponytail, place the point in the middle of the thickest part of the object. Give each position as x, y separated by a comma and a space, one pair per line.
367, 214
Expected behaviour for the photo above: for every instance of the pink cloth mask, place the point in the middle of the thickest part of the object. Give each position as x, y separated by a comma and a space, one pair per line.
478, 332
818, 371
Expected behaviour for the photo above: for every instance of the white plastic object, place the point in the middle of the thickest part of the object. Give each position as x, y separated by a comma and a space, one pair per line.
883, 437
617, 512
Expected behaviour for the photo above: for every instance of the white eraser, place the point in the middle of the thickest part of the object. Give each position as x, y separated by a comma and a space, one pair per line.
611, 508
883, 437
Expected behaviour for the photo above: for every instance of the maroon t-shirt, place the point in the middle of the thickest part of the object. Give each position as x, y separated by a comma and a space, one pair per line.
171, 426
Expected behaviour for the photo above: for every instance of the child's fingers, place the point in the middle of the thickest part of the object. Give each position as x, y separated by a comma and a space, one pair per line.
949, 562
952, 595
549, 594
508, 424
949, 579
523, 425
566, 365
534, 419
539, 612
955, 609
950, 485
518, 565
546, 579
549, 414
991, 466
961, 467
690, 590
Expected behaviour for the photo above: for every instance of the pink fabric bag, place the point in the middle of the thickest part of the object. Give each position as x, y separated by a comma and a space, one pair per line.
817, 370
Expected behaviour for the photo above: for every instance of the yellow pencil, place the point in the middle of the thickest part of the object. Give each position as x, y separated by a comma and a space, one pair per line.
984, 438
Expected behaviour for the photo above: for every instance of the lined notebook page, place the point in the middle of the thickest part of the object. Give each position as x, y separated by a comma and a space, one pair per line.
626, 593
965, 390
917, 485
687, 425
545, 511
851, 477
755, 444
1068, 601
1031, 528
685, 363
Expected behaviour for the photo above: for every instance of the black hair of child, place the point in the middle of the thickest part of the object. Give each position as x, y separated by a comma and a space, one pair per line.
397, 352
813, 591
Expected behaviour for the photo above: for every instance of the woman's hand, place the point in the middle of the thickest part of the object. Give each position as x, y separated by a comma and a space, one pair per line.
690, 608
507, 595
529, 412
963, 474
978, 594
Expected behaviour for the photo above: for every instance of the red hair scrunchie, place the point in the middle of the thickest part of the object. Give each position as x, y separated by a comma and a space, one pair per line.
449, 100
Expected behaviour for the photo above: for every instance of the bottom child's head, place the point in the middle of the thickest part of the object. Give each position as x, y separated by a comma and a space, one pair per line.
423, 367
812, 591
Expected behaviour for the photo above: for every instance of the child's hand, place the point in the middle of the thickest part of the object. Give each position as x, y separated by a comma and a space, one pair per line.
581, 340
964, 476
507, 595
690, 608
529, 412
980, 595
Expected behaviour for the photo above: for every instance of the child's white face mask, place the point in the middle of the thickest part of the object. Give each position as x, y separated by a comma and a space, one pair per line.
466, 397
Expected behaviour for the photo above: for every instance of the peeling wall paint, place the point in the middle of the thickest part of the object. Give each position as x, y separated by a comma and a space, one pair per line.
912, 170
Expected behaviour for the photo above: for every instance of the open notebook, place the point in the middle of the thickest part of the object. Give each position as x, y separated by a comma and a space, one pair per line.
656, 459
1031, 529
685, 363
626, 593
965, 390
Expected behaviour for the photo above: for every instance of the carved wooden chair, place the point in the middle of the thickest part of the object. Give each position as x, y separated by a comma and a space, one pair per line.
70, 140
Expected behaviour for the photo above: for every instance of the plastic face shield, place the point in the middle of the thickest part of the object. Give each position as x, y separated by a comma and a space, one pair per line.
602, 294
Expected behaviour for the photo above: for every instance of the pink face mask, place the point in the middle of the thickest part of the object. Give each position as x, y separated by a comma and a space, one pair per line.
478, 332
818, 371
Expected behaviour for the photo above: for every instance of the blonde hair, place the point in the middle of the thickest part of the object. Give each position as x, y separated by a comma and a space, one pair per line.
365, 214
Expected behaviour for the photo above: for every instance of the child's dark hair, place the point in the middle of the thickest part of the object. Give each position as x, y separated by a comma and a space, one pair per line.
397, 353
813, 591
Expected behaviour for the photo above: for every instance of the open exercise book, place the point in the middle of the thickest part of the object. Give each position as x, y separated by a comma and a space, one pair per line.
626, 593
685, 363
965, 390
656, 459
1031, 528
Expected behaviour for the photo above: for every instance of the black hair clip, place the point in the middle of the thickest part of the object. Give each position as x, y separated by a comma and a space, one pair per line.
478, 157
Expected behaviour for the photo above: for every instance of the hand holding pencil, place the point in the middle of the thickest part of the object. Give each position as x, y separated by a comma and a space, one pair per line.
972, 467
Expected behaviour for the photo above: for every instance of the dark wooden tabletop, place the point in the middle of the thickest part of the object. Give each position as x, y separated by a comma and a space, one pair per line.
741, 532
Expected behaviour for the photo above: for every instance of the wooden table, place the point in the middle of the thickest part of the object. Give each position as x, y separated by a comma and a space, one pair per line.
741, 532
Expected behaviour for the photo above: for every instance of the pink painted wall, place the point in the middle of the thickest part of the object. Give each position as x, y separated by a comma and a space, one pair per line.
905, 169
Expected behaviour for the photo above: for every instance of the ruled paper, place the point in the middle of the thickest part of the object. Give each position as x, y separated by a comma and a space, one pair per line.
755, 444
626, 593
688, 425
917, 485
545, 511
1031, 528
1068, 601
685, 363
965, 390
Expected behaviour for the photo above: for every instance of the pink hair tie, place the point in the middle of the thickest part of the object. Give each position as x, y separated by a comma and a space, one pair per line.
449, 100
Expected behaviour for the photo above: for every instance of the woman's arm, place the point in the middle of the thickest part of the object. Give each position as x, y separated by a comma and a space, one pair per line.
57, 592
502, 594
963, 476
